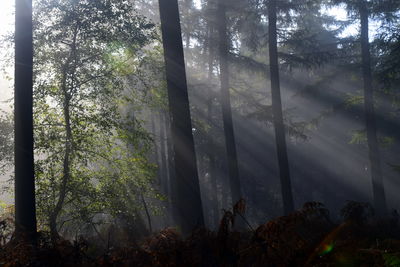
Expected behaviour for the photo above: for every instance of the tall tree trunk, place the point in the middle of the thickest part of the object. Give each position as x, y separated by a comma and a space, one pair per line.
224, 180
233, 168
373, 146
155, 154
66, 174
210, 150
166, 185
283, 162
172, 197
25, 212
68, 70
188, 189
164, 171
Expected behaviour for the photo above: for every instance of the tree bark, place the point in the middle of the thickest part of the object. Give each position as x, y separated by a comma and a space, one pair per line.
188, 189
373, 146
233, 168
281, 148
210, 150
25, 212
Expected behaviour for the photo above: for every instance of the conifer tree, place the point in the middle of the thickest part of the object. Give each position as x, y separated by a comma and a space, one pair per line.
189, 203
281, 148
25, 212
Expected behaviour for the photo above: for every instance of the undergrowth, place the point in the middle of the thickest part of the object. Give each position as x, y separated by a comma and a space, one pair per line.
307, 237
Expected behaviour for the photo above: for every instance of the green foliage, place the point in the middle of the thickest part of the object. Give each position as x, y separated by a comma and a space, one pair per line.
6, 141
359, 137
148, 80
310, 44
354, 100
391, 259
90, 155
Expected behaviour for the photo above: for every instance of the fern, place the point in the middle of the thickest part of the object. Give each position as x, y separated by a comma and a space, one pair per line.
391, 259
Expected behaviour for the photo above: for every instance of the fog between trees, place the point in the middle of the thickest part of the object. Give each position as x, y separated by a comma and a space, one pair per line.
275, 102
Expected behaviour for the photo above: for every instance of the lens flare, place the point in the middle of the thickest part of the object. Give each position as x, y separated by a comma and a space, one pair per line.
326, 248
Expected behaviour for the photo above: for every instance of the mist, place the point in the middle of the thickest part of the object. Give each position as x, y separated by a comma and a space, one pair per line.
229, 132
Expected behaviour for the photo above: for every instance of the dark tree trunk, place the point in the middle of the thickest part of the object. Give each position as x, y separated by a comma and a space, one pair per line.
233, 168
210, 150
224, 180
373, 146
188, 189
25, 213
283, 162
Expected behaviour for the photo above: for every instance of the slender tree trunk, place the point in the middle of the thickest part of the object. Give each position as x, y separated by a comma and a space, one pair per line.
172, 197
66, 174
188, 189
164, 172
233, 168
25, 212
68, 70
166, 185
283, 162
146, 209
373, 146
224, 180
210, 150
156, 157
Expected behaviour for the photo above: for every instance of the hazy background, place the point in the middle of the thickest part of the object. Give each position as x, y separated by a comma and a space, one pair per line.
332, 166
6, 89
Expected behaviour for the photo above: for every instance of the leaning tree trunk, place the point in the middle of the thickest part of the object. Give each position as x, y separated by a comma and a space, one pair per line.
376, 172
283, 162
25, 213
233, 168
187, 182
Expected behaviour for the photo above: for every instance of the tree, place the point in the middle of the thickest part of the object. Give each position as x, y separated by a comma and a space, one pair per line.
283, 162
363, 9
372, 139
83, 51
210, 141
233, 168
189, 203
387, 43
25, 213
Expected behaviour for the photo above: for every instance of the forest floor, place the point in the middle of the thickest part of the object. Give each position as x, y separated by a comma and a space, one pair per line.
306, 237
